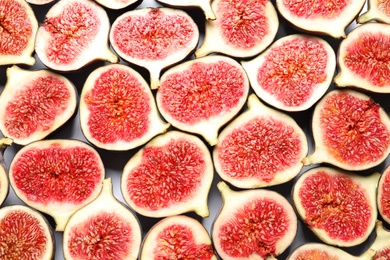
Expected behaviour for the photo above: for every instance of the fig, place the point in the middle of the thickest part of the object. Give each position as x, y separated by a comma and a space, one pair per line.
320, 17
204, 5
383, 195
337, 205
117, 4
154, 38
4, 183
243, 28
25, 234
73, 34
378, 10
57, 177
39, 2
382, 242
261, 147
350, 130
201, 95
170, 175
120, 97
18, 27
364, 58
177, 237
36, 103
293, 73
103, 229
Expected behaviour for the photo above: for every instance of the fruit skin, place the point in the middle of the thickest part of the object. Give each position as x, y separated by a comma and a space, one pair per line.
39, 2
383, 195
262, 145
381, 242
378, 10
117, 4
205, 5
4, 182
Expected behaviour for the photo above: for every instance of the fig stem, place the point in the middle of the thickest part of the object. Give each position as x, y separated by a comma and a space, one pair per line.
209, 12
154, 78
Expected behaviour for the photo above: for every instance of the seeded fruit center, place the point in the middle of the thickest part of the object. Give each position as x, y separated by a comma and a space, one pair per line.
335, 204
316, 8
167, 175
292, 72
383, 254
21, 236
384, 6
385, 196
119, 100
315, 254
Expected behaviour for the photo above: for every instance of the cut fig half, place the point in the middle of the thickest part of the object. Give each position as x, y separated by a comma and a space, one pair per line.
103, 229
57, 177
118, 110
293, 73
154, 38
35, 104
201, 95
177, 237
253, 224
383, 195
18, 27
364, 58
242, 28
338, 206
74, 34
381, 243
170, 175
4, 182
261, 147
342, 127
39, 2
377, 10
204, 5
117, 4
25, 234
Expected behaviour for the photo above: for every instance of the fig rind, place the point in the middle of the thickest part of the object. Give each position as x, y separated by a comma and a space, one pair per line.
381, 242
383, 195
117, 4
4, 182
204, 5
376, 11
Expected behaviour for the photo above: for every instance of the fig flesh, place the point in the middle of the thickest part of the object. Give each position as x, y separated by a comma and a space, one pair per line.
171, 174
103, 229
118, 110
201, 95
378, 10
342, 127
57, 177
177, 237
204, 5
293, 73
383, 195
253, 224
381, 243
261, 147
337, 205
4, 182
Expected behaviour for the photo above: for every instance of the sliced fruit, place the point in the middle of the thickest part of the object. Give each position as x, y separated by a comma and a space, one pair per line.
342, 127
378, 10
382, 242
171, 175
39, 2
364, 58
4, 183
243, 28
204, 5
74, 34
57, 177
261, 147
293, 73
338, 206
18, 26
25, 234
117, 4
201, 95
118, 110
383, 195
103, 229
35, 103
177, 237
154, 38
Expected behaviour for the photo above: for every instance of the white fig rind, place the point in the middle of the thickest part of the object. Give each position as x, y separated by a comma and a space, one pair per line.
116, 4
204, 5
374, 12
39, 2
382, 192
4, 181
382, 238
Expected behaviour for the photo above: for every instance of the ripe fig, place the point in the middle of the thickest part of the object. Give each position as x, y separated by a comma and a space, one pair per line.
35, 103
103, 229
57, 177
378, 10
154, 38
364, 58
170, 175
204, 5
261, 147
253, 224
201, 95
25, 234
293, 73
118, 110
117, 4
74, 34
177, 237
337, 205
342, 126
4, 183
383, 195
18, 26
382, 242
243, 28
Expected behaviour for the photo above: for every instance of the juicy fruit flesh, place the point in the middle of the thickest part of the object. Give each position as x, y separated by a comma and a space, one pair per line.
15, 28
383, 254
119, 100
292, 71
71, 32
352, 129
385, 196
21, 236
260, 148
315, 254
316, 8
384, 6
335, 204
202, 92
154, 36
167, 175
35, 107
